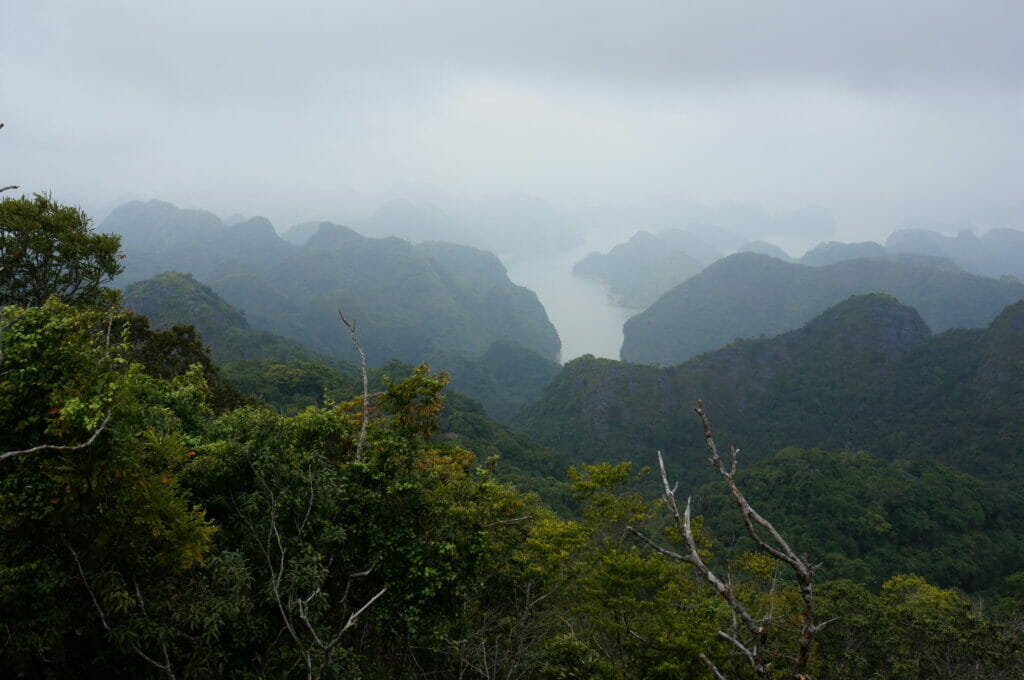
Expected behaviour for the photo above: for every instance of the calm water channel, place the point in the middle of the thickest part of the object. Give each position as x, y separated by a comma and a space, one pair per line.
579, 308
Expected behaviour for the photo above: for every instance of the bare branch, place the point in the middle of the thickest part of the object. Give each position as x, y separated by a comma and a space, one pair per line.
352, 619
88, 589
774, 545
504, 522
664, 551
738, 645
714, 669
12, 186
54, 447
780, 550
166, 666
366, 384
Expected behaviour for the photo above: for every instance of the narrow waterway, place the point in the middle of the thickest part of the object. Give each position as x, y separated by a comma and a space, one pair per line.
579, 308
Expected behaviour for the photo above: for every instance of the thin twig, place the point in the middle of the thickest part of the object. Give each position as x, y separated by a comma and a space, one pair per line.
366, 384
352, 619
55, 447
503, 522
166, 666
711, 665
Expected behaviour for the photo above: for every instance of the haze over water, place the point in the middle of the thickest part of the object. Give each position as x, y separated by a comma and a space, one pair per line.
580, 309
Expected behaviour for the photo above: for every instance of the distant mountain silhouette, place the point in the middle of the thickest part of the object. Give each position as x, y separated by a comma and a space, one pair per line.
748, 295
408, 301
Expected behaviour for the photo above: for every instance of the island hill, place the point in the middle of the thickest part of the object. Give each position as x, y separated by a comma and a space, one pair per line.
748, 295
648, 265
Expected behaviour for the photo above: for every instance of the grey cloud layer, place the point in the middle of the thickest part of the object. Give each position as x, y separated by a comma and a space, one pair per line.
220, 103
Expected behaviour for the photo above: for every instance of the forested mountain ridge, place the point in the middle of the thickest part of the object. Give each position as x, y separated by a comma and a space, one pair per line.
502, 378
407, 300
749, 295
866, 374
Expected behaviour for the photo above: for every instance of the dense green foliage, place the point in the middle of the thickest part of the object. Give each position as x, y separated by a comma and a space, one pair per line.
749, 295
171, 352
155, 522
406, 300
867, 519
49, 249
291, 387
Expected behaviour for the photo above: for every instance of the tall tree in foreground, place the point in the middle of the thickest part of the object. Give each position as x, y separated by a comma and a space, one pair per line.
47, 248
750, 633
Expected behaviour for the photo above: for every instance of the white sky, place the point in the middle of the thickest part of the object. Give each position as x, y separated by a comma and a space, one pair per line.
877, 111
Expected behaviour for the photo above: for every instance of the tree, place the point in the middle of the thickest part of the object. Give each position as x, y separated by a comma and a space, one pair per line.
47, 248
100, 545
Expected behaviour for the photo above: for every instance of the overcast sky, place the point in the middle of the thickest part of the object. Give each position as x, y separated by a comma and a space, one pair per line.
877, 111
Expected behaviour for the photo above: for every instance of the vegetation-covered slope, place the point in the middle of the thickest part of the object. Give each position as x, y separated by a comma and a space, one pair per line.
749, 295
502, 378
172, 299
864, 375
868, 519
407, 301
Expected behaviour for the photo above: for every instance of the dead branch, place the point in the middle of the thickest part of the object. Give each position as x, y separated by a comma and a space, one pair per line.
774, 545
366, 384
505, 522
314, 643
352, 619
55, 447
166, 665
781, 550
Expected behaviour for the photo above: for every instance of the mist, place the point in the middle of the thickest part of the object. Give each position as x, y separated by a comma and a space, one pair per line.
876, 113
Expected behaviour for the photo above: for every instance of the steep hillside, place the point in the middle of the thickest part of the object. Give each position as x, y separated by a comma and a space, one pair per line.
765, 248
502, 378
867, 374
172, 299
748, 295
408, 301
